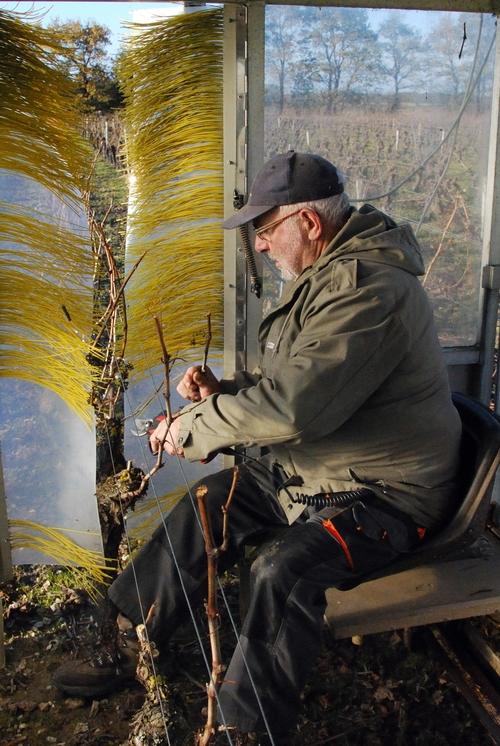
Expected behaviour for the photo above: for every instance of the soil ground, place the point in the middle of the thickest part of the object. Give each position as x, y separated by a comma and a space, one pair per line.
373, 694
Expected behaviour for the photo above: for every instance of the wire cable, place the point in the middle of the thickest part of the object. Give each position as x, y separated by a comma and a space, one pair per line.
136, 583
226, 604
174, 558
446, 166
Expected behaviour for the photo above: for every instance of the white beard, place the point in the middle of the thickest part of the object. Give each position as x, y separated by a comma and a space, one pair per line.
288, 275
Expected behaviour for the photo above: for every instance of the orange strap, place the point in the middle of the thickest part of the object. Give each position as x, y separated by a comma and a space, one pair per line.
328, 524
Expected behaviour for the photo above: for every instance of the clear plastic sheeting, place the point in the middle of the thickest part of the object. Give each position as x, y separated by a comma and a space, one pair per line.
48, 450
48, 458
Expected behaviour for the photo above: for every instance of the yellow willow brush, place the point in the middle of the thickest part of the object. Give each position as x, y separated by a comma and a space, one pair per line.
171, 74
22, 363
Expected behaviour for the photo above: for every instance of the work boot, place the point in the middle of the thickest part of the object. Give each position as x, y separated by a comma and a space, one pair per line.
109, 669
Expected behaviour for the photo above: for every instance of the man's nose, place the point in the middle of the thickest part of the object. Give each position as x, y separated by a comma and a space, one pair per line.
260, 244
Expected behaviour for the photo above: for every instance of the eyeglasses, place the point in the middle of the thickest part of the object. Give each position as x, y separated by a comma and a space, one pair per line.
260, 231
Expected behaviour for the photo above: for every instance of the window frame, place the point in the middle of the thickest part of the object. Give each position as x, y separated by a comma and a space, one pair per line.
470, 367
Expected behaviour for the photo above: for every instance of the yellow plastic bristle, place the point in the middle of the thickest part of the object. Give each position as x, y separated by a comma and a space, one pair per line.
149, 512
171, 74
89, 567
39, 120
46, 288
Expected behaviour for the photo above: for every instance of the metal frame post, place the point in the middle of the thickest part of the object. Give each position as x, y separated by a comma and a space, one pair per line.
235, 159
243, 155
255, 150
491, 244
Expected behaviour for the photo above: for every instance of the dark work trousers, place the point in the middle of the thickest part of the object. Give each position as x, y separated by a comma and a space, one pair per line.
281, 634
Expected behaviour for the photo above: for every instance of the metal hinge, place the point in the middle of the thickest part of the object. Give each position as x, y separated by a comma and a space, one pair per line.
491, 277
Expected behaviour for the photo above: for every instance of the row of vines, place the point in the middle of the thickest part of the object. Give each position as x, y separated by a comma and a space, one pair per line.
442, 200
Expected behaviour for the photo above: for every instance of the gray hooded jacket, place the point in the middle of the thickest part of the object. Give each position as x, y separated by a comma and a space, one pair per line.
351, 389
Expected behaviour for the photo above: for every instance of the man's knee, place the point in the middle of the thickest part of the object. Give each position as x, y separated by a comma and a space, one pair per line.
267, 568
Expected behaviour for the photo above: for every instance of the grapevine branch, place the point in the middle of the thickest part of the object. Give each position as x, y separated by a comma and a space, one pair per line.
117, 297
106, 392
147, 655
439, 249
166, 378
207, 342
213, 554
132, 495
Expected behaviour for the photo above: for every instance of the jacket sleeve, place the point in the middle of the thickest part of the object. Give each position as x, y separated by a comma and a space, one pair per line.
348, 344
242, 379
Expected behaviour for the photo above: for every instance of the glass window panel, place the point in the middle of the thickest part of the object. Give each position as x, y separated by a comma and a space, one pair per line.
378, 92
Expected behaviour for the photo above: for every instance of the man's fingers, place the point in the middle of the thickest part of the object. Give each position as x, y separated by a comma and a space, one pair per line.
183, 389
157, 437
196, 384
166, 438
201, 379
188, 386
198, 377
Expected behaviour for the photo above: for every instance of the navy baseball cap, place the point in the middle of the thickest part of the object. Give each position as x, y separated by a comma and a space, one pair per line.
286, 179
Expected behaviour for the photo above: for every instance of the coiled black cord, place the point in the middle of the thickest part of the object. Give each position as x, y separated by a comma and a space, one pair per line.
331, 499
255, 283
343, 499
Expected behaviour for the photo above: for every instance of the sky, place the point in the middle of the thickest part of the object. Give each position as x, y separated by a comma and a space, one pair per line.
112, 14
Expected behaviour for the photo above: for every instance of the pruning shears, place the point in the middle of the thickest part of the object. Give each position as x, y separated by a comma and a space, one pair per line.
147, 426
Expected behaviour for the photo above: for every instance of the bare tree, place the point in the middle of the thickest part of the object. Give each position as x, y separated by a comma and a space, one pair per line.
445, 44
401, 57
305, 77
345, 49
486, 28
281, 43
85, 59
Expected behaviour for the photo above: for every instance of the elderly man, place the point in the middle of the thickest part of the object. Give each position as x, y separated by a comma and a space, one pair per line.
352, 408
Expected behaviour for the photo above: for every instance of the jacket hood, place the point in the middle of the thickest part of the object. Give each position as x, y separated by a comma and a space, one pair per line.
374, 236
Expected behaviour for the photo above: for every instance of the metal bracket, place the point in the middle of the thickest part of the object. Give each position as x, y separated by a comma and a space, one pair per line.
491, 277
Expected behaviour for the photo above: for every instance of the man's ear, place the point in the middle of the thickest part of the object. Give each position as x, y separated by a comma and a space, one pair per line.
312, 224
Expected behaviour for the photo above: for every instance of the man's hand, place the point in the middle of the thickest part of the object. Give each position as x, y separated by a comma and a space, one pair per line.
196, 384
169, 445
